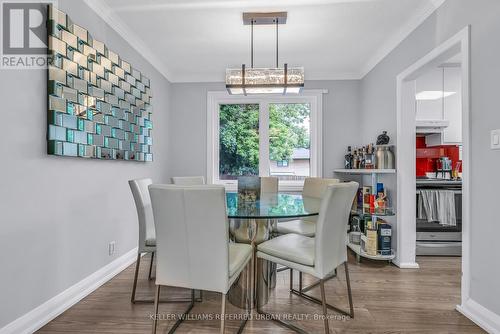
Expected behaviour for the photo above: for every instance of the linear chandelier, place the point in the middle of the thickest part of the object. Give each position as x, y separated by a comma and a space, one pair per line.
245, 81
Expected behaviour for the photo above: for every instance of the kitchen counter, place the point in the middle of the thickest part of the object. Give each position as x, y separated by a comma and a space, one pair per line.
437, 182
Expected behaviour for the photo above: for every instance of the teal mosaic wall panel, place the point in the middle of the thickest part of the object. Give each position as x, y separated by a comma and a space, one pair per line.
99, 106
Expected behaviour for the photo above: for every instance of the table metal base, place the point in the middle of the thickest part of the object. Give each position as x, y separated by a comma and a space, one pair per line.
253, 232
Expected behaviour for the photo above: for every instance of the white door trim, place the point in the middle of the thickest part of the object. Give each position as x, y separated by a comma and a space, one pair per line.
406, 231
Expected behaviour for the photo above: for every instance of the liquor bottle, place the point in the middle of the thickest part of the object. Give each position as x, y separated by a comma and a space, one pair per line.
355, 159
369, 159
348, 159
369, 149
362, 158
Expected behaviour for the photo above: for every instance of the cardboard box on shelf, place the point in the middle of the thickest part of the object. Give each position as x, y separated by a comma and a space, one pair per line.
371, 242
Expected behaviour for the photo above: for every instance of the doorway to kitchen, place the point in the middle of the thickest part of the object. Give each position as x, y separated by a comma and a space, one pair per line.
457, 47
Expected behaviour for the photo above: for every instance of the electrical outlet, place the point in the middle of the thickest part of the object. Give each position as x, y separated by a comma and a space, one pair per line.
495, 139
111, 248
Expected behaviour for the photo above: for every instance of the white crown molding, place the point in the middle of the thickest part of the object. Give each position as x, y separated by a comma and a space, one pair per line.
101, 9
481, 316
239, 4
43, 314
326, 75
417, 19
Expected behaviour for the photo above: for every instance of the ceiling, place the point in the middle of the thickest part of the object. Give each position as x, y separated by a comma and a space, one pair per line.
196, 40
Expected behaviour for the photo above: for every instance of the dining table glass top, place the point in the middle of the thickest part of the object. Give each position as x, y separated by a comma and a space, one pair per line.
272, 206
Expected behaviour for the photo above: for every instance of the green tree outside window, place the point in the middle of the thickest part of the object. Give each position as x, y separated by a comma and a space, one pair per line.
239, 136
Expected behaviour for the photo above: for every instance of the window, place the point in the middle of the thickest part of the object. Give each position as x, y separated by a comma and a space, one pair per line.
264, 136
289, 140
282, 163
238, 140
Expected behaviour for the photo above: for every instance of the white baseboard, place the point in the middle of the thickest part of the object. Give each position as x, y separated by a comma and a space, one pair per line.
480, 315
41, 315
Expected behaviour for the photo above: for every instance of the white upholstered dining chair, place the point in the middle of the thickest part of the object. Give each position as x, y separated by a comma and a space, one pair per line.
314, 187
268, 184
147, 234
193, 249
147, 238
188, 180
320, 255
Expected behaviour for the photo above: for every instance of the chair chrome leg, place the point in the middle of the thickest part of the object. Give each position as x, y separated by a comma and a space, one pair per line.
282, 269
315, 284
248, 287
319, 302
155, 318
323, 300
148, 301
248, 304
269, 315
223, 314
151, 265
254, 278
134, 287
300, 282
349, 292
182, 317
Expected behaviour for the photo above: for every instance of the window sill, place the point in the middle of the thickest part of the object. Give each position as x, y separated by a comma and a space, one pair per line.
283, 186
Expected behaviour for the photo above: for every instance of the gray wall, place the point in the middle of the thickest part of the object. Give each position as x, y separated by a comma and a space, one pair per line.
188, 129
57, 215
379, 111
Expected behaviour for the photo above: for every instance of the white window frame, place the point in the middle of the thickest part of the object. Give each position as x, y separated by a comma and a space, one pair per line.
215, 99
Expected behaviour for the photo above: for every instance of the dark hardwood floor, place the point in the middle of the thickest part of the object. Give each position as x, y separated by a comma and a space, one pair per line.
386, 300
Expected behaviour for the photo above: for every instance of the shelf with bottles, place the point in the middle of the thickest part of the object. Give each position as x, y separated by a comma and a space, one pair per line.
372, 201
365, 171
371, 156
380, 212
371, 240
360, 253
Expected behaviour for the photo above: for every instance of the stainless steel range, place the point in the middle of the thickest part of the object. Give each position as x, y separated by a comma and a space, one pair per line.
434, 237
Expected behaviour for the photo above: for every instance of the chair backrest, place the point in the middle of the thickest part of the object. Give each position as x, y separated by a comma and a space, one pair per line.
192, 236
315, 187
142, 200
188, 180
331, 227
268, 184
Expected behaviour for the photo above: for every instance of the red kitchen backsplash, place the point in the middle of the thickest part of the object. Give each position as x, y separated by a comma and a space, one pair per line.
427, 156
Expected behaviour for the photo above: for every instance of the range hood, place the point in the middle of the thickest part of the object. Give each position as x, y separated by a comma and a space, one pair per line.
431, 125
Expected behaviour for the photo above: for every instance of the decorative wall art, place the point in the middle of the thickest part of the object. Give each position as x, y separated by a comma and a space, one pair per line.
99, 106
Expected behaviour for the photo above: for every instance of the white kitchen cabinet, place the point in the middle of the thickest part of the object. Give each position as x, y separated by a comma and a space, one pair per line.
452, 106
430, 109
449, 108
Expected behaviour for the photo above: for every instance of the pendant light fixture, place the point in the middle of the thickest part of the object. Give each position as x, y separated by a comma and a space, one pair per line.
245, 81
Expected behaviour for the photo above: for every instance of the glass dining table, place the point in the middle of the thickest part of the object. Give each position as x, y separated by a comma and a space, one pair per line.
254, 222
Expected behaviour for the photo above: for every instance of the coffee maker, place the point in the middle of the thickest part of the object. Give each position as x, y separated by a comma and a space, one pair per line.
444, 168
